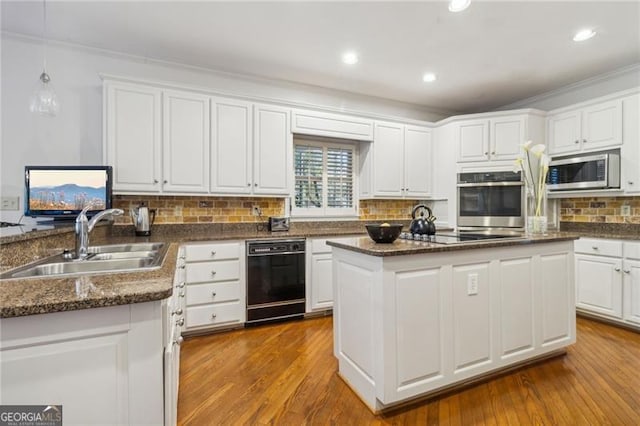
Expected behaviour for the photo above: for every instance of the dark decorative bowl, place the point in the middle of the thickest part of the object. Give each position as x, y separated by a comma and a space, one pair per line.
384, 234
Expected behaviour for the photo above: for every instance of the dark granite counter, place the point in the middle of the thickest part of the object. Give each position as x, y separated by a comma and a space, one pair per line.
402, 247
617, 231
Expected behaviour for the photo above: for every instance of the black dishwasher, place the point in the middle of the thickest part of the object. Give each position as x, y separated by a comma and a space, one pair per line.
275, 280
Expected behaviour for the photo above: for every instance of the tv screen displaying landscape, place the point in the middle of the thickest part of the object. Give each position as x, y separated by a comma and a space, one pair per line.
59, 190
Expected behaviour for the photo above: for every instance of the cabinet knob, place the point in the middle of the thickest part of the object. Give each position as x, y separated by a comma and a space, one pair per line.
627, 271
213, 316
248, 183
180, 322
255, 184
630, 182
213, 294
179, 340
584, 141
577, 141
182, 266
616, 269
213, 272
155, 181
181, 285
595, 247
177, 312
213, 253
493, 153
486, 153
181, 294
165, 181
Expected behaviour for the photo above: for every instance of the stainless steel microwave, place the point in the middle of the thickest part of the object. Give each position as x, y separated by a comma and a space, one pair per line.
587, 171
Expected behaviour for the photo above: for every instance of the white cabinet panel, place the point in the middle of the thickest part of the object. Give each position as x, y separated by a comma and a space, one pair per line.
388, 159
231, 133
215, 314
472, 319
218, 251
273, 151
473, 140
418, 327
506, 137
632, 291
198, 294
630, 158
557, 320
321, 281
133, 145
185, 142
602, 125
223, 270
599, 247
495, 139
417, 161
599, 284
332, 125
564, 132
517, 296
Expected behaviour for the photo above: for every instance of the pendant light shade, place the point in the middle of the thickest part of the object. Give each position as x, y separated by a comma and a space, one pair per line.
44, 100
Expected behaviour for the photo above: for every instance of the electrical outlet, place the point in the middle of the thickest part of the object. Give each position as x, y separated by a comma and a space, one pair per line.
256, 211
625, 210
472, 284
10, 203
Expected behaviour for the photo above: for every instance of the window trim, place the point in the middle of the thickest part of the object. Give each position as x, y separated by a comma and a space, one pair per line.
326, 212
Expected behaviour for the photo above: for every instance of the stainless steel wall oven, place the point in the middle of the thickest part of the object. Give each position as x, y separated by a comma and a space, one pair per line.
490, 200
275, 280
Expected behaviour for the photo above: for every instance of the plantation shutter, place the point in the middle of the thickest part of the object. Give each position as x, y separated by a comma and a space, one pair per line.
339, 168
308, 172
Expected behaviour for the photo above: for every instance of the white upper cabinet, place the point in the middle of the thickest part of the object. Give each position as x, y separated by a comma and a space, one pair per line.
231, 143
492, 139
398, 163
331, 125
133, 137
185, 142
630, 158
418, 147
593, 127
272, 151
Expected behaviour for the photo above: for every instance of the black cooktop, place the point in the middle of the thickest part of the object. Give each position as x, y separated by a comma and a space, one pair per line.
461, 237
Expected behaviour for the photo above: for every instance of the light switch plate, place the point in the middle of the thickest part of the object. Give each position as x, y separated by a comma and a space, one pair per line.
10, 203
625, 210
472, 284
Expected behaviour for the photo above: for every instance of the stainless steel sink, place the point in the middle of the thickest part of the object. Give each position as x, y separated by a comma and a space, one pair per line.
103, 259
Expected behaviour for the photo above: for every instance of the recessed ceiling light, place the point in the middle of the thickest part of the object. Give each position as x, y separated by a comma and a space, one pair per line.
350, 58
458, 5
429, 77
583, 35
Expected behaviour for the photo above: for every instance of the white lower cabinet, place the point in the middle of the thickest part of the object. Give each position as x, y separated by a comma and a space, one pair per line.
608, 279
103, 365
215, 293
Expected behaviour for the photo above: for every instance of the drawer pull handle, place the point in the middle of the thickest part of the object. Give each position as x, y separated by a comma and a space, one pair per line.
181, 294
177, 312
616, 269
181, 285
627, 271
630, 182
213, 272
180, 322
213, 316
213, 294
213, 253
595, 247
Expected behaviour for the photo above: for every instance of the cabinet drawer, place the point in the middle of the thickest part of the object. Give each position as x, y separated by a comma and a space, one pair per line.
598, 246
631, 250
198, 294
218, 251
224, 270
216, 314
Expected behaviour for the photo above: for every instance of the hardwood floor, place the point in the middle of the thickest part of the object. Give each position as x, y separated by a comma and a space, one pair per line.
285, 374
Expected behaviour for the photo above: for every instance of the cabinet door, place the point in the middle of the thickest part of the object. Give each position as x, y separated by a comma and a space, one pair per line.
231, 128
186, 142
133, 141
272, 151
564, 132
632, 291
418, 159
602, 125
599, 285
506, 135
630, 158
388, 159
321, 281
473, 140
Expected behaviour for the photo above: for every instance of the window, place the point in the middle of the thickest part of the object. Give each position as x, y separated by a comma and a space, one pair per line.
324, 179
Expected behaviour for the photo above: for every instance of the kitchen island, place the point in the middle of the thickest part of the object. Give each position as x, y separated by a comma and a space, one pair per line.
413, 319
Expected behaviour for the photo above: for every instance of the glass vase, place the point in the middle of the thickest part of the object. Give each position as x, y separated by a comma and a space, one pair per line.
536, 212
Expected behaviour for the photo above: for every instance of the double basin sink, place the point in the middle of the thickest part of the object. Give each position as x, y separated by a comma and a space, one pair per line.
101, 259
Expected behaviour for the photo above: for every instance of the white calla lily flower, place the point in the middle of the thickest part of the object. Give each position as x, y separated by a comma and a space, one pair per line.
538, 149
526, 145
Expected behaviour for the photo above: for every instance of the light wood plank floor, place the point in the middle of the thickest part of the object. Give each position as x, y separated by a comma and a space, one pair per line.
285, 374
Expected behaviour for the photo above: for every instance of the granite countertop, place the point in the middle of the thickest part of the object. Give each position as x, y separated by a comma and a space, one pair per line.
402, 247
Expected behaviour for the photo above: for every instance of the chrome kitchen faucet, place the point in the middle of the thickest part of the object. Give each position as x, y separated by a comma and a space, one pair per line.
84, 226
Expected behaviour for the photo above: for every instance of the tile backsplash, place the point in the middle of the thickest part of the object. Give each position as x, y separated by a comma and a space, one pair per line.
600, 209
201, 209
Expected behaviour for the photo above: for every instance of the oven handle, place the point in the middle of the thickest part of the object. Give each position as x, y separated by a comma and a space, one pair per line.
471, 185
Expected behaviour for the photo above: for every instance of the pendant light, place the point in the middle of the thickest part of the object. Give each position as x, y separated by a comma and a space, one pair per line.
44, 100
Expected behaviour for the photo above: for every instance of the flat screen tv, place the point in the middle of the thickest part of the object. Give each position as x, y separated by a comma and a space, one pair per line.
61, 192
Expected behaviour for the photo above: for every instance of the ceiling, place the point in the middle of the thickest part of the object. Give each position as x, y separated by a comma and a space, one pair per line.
490, 55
